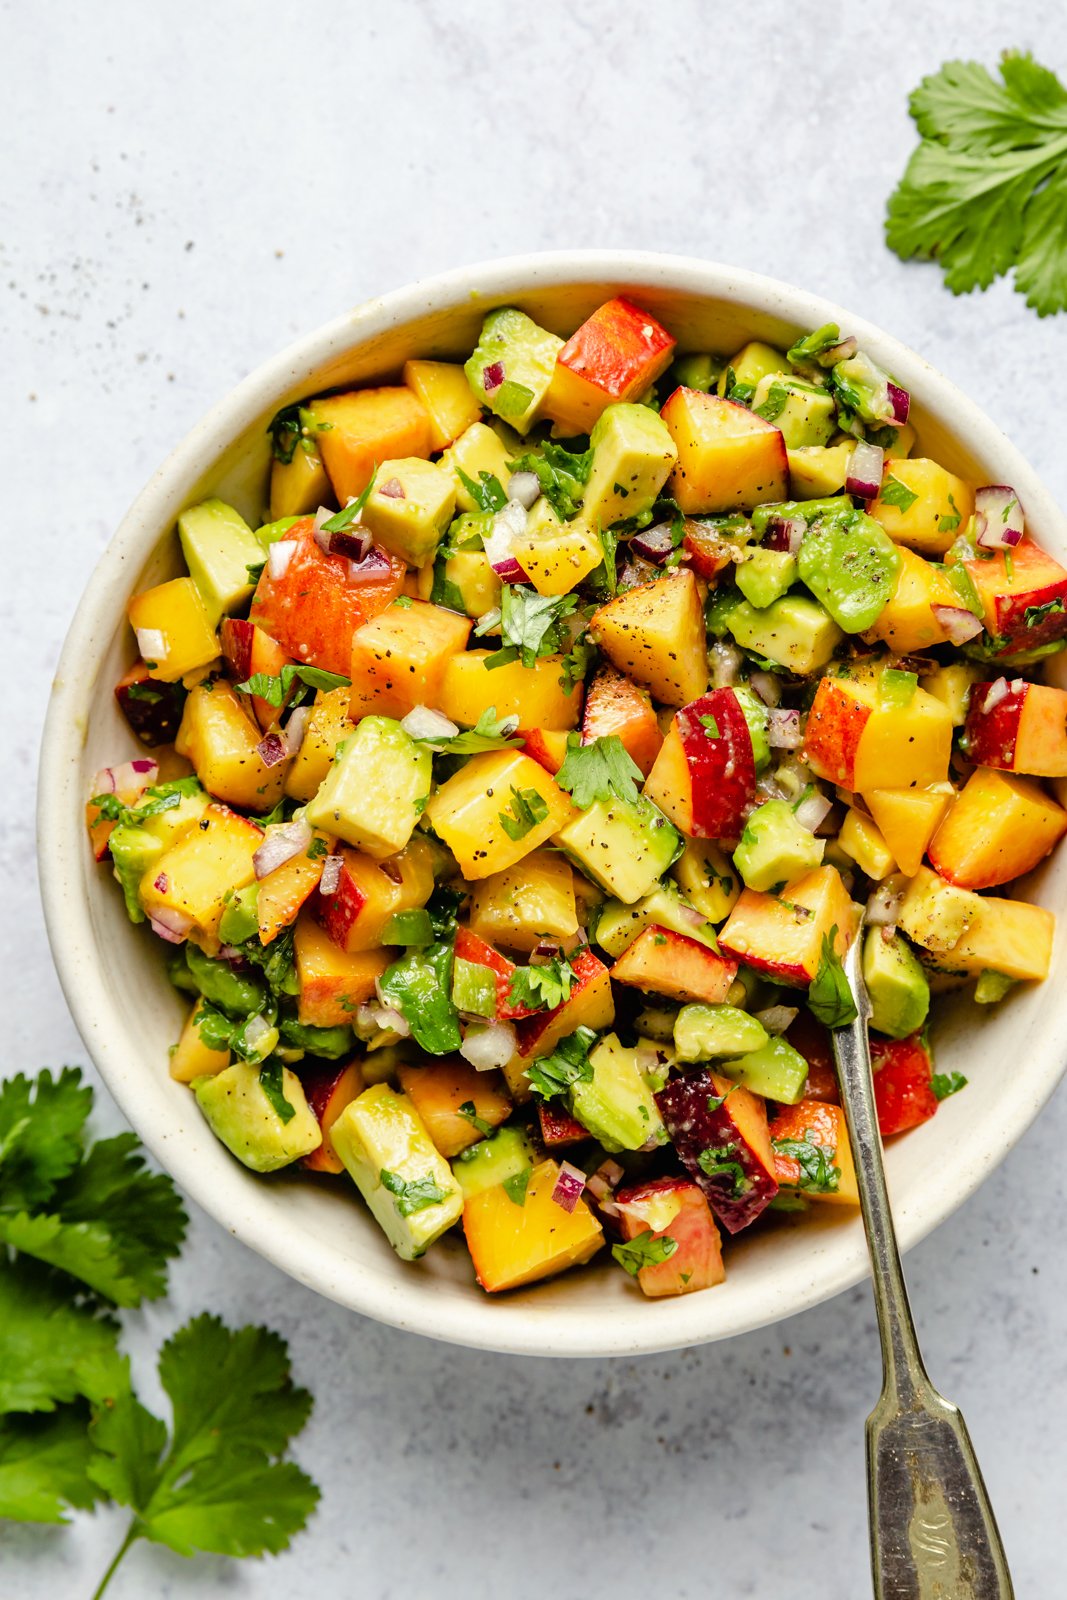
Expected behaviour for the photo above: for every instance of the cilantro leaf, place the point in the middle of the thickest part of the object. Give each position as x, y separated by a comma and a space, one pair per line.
719, 1161
516, 1186
216, 1481
561, 474
601, 770
413, 1194
814, 344
830, 998
273, 1085
985, 190
41, 1128
818, 1175
527, 809
352, 511
52, 1350
710, 727
487, 494
1033, 616
542, 987
469, 1112
530, 625
644, 1250
111, 1223
488, 733
895, 493
550, 1076
946, 1083
44, 1465
275, 689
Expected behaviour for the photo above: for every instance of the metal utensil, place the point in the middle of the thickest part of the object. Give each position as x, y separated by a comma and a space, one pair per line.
933, 1532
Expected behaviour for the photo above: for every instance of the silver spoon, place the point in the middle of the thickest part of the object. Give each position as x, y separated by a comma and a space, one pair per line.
933, 1532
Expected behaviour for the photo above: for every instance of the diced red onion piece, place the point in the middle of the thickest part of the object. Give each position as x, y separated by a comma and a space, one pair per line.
865, 466
544, 951
959, 623
145, 768
355, 543
279, 556
814, 810
424, 723
492, 377
281, 842
767, 687
371, 569
296, 728
509, 524
569, 1186
654, 544
490, 1047
900, 400
230, 952
176, 922
883, 907
776, 1019
998, 517
151, 642
161, 883
725, 663
163, 930
393, 490
272, 748
322, 539
996, 692
783, 728
785, 533
331, 874
256, 1030
525, 487
383, 1017
104, 782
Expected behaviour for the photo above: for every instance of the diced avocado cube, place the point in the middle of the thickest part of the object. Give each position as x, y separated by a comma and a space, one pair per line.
780, 510
504, 1156
466, 582
133, 850
719, 608
240, 920
766, 576
618, 924
992, 987
775, 1070
221, 984
616, 1104
794, 631
512, 366
409, 508
397, 1168
755, 361
376, 789
803, 412
474, 988
240, 1113
896, 984
219, 547
700, 372
816, 470
478, 449
936, 914
775, 848
850, 563
633, 454
756, 715
624, 848
702, 1032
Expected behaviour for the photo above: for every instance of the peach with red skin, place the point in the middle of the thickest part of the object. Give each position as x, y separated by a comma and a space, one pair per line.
661, 961
1022, 730
1008, 591
812, 1040
707, 553
835, 724
538, 1034
614, 704
704, 777
696, 1262
558, 1127
248, 649
783, 938
615, 355
704, 1111
818, 1123
546, 746
903, 1094
469, 947
328, 1090
152, 708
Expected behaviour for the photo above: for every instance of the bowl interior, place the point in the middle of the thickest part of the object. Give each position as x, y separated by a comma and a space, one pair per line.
317, 1229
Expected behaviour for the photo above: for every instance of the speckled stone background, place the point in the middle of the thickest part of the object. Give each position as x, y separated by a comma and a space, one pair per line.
184, 189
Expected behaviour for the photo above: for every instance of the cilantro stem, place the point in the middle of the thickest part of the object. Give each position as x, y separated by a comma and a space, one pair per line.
132, 1533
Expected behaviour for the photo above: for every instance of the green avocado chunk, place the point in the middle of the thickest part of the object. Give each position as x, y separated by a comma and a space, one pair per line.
795, 632
896, 984
702, 1032
766, 576
850, 564
616, 1104
243, 1116
775, 848
625, 848
505, 1155
235, 993
219, 547
512, 366
775, 1070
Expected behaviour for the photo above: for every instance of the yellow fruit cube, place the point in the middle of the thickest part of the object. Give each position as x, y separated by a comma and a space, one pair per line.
438, 1089
908, 819
220, 739
410, 507
333, 983
399, 658
922, 505
496, 810
300, 485
196, 874
443, 389
174, 632
368, 427
655, 635
513, 1244
728, 458
908, 621
555, 556
527, 903
859, 838
327, 725
937, 914
1008, 936
533, 694
708, 879
191, 1058
755, 360
818, 470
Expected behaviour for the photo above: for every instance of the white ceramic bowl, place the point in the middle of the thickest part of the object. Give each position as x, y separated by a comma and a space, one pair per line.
112, 973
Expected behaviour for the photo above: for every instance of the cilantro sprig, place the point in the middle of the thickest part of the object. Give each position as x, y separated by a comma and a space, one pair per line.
830, 998
552, 1075
985, 190
543, 987
600, 770
945, 1084
489, 733
275, 689
561, 473
527, 809
644, 1250
818, 1175
530, 625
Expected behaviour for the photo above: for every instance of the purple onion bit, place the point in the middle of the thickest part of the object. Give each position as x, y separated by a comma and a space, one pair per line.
865, 468
272, 748
492, 377
784, 533
998, 517
655, 544
959, 623
900, 400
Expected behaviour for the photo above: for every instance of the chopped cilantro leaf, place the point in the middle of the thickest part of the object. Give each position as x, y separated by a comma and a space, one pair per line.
486, 493
895, 493
469, 1112
411, 1195
601, 770
710, 727
352, 511
830, 998
542, 987
275, 690
719, 1161
818, 1175
550, 1076
527, 809
273, 1086
487, 734
516, 1186
644, 1250
945, 1083
530, 625
561, 474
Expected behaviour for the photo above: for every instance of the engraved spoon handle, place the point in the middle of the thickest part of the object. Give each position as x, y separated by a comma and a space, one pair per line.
933, 1532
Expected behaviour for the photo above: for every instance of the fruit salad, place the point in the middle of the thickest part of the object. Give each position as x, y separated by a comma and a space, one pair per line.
511, 787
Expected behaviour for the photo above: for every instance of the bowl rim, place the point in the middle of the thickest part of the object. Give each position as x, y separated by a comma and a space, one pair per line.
407, 1300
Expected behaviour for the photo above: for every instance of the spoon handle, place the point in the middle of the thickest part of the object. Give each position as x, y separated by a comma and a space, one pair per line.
933, 1532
